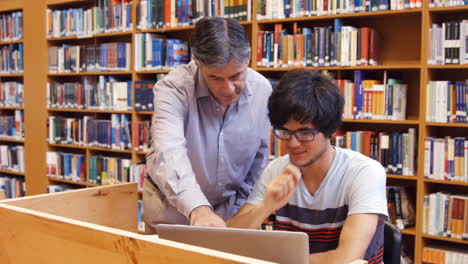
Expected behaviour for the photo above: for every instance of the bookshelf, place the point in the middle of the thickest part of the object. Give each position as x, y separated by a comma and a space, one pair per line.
12, 108
402, 54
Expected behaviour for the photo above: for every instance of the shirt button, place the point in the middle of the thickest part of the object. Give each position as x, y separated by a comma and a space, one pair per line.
217, 109
220, 184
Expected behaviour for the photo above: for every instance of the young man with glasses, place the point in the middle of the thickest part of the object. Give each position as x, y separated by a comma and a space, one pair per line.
336, 196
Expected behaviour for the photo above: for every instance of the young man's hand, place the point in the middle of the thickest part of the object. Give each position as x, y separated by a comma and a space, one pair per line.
204, 216
282, 187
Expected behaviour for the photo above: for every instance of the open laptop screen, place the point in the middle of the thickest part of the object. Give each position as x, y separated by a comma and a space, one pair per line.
275, 246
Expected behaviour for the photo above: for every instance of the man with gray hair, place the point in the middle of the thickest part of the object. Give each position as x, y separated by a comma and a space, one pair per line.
210, 131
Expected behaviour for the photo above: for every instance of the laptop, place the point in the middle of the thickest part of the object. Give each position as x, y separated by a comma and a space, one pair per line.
275, 246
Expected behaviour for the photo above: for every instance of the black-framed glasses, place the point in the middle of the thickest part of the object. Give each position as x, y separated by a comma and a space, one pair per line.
301, 135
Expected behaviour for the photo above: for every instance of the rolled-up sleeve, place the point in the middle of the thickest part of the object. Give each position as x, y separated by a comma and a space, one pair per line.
168, 163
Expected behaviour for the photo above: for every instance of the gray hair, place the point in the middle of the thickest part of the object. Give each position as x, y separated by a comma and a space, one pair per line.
217, 41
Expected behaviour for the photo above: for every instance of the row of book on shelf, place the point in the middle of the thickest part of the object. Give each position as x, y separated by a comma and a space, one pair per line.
98, 93
11, 58
446, 214
11, 126
113, 56
271, 9
102, 170
11, 26
446, 158
12, 158
336, 45
175, 13
108, 16
115, 133
447, 101
373, 99
440, 255
13, 187
11, 94
156, 52
448, 43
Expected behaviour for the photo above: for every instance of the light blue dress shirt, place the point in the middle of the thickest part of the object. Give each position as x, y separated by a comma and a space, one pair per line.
197, 157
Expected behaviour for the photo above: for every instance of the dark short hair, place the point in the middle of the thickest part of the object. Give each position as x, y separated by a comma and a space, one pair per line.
307, 96
218, 40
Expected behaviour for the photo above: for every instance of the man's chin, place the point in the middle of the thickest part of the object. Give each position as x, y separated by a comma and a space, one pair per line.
301, 163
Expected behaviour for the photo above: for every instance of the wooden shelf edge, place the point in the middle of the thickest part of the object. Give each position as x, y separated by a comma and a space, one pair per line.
88, 111
56, 3
165, 30
402, 177
127, 151
11, 108
152, 72
448, 8
344, 68
66, 146
123, 151
11, 6
456, 240
86, 184
464, 125
346, 15
58, 74
447, 66
409, 231
8, 42
12, 172
458, 183
382, 121
11, 74
95, 35
144, 112
11, 140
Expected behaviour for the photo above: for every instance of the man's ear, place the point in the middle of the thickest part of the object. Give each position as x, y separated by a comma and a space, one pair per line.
196, 61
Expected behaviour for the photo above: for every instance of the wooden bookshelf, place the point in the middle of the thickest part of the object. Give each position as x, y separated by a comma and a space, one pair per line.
404, 51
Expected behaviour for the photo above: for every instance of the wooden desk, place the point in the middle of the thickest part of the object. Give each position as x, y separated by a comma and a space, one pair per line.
93, 225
